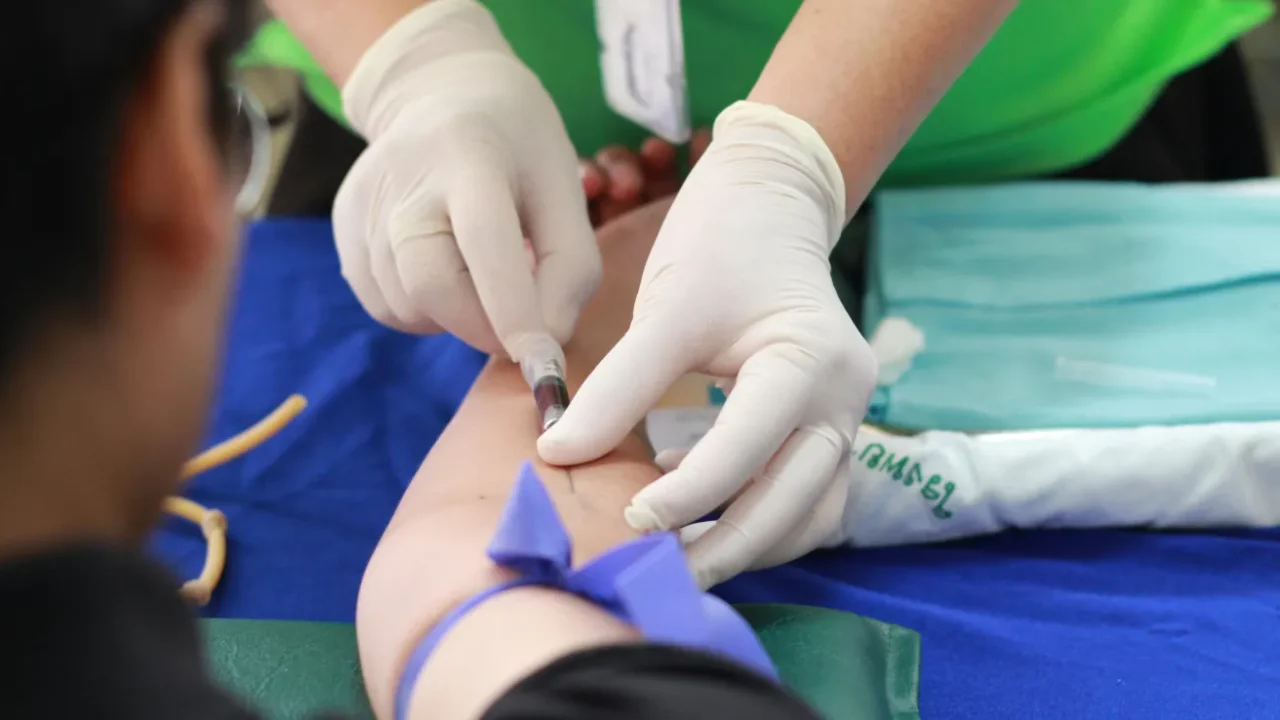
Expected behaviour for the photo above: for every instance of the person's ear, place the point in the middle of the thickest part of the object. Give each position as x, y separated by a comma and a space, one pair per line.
172, 201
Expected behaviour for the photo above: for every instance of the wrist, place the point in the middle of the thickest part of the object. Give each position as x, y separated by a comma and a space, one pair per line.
832, 129
795, 143
398, 65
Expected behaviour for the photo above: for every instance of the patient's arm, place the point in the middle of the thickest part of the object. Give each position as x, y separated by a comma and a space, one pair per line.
432, 555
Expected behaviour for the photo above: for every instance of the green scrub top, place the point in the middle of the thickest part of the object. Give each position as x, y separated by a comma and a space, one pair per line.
1058, 85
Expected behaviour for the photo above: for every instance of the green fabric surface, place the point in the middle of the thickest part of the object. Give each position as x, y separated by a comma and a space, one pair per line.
846, 666
1059, 83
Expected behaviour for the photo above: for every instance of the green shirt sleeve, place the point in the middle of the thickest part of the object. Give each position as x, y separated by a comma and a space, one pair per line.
1059, 84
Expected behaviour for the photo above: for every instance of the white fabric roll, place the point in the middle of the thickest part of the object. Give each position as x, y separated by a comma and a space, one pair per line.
945, 485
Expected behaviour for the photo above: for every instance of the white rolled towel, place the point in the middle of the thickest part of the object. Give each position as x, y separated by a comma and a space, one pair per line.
944, 485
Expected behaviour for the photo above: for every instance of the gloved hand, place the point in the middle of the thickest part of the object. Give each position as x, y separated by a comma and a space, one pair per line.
467, 156
738, 285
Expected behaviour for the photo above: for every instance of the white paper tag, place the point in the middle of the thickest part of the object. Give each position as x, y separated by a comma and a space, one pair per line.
642, 63
678, 428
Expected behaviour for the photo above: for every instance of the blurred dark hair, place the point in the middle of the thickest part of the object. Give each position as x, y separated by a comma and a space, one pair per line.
72, 67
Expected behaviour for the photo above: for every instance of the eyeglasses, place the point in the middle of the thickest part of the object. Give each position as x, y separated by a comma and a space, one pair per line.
250, 160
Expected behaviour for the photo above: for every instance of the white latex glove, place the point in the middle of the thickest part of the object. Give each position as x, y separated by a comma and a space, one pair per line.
467, 156
738, 285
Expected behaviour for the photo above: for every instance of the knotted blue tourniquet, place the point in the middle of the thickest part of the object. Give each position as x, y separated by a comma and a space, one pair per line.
644, 582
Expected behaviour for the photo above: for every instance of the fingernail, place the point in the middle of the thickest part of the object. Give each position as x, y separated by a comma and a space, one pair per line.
641, 519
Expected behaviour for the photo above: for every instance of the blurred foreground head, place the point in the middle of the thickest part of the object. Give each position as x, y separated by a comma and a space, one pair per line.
118, 175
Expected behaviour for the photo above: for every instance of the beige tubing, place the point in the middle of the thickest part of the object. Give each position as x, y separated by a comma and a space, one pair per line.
213, 524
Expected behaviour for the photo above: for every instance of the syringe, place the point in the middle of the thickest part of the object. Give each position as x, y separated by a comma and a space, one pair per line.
545, 374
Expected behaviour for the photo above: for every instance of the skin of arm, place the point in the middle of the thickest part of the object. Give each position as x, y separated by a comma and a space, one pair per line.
882, 64
431, 557
337, 32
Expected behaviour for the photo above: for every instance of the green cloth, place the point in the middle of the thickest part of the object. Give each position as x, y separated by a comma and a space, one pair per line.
1058, 85
848, 667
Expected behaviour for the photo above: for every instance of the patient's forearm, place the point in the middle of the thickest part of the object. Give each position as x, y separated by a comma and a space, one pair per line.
432, 555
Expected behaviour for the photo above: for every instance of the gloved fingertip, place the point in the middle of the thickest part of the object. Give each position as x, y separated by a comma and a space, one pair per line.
642, 519
705, 579
690, 533
710, 569
669, 459
551, 447
560, 445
